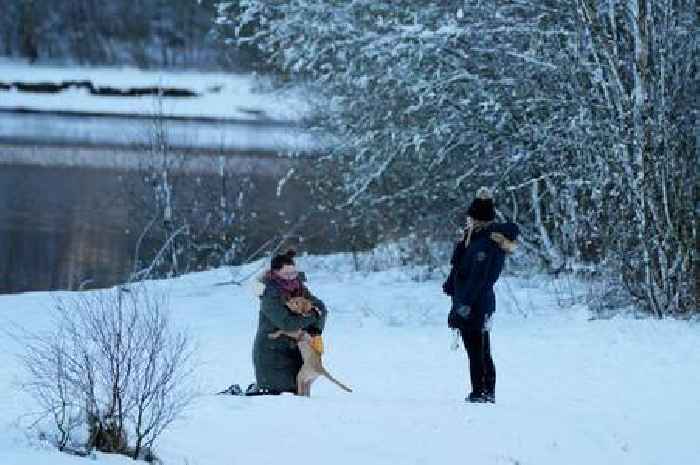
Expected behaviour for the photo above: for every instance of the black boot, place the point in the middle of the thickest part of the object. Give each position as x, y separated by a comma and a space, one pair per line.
254, 390
234, 390
475, 398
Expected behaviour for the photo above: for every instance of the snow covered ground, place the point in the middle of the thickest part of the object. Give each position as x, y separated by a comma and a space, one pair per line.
570, 390
222, 95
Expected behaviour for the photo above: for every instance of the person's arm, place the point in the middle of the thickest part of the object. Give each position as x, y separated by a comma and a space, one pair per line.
272, 306
448, 287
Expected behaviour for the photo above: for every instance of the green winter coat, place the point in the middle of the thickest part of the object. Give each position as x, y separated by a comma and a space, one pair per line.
277, 361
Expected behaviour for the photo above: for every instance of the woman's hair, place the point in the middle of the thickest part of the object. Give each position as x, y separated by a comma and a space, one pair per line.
280, 260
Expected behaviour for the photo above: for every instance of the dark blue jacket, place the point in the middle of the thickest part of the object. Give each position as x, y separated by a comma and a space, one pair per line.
475, 270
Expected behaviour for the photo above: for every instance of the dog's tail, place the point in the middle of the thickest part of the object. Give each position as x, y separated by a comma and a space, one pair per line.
338, 383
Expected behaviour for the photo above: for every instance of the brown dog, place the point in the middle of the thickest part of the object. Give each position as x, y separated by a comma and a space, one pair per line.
301, 306
312, 367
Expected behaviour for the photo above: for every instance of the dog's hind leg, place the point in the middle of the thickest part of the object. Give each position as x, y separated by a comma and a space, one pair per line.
306, 380
300, 383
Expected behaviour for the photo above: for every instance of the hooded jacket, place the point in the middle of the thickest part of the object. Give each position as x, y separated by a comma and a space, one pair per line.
475, 269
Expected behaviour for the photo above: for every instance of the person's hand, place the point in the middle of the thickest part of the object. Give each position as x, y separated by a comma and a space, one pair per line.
488, 324
463, 311
453, 320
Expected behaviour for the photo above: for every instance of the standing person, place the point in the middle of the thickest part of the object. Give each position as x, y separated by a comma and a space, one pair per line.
477, 262
277, 361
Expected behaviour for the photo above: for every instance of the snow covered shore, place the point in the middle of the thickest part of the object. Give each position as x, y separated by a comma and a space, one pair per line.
216, 111
221, 95
570, 390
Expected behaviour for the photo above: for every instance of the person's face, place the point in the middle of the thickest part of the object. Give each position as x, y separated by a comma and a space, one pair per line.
472, 223
288, 272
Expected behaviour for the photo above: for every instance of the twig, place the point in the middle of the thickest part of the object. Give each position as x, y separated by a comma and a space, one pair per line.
146, 272
286, 235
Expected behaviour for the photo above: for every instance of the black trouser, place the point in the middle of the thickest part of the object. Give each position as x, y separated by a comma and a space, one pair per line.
481, 368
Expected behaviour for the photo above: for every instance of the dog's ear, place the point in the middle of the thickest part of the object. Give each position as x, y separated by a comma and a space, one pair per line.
297, 305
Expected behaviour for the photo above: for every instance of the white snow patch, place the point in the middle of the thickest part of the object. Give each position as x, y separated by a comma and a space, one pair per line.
570, 391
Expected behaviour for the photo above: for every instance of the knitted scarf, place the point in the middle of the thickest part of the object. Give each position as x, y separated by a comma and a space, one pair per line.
288, 287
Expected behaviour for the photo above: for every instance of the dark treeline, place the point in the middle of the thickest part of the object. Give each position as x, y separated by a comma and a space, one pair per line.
144, 33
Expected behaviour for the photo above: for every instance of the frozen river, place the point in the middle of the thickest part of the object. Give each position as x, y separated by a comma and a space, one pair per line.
63, 227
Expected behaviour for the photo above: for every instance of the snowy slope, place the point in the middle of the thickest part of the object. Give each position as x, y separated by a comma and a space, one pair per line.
570, 390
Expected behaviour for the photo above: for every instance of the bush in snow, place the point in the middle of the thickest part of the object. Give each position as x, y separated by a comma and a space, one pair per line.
113, 374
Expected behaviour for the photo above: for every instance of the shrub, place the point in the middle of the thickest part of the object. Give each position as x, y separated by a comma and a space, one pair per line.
112, 373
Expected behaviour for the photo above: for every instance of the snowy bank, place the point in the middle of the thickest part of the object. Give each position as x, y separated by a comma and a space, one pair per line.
103, 107
220, 95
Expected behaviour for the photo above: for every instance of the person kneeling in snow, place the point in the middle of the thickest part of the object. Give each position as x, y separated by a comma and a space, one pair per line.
278, 361
477, 262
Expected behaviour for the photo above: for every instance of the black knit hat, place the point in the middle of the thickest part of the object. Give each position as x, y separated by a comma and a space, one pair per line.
280, 260
482, 208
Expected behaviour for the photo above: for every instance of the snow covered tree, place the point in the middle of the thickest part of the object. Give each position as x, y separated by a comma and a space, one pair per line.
643, 59
553, 103
414, 94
